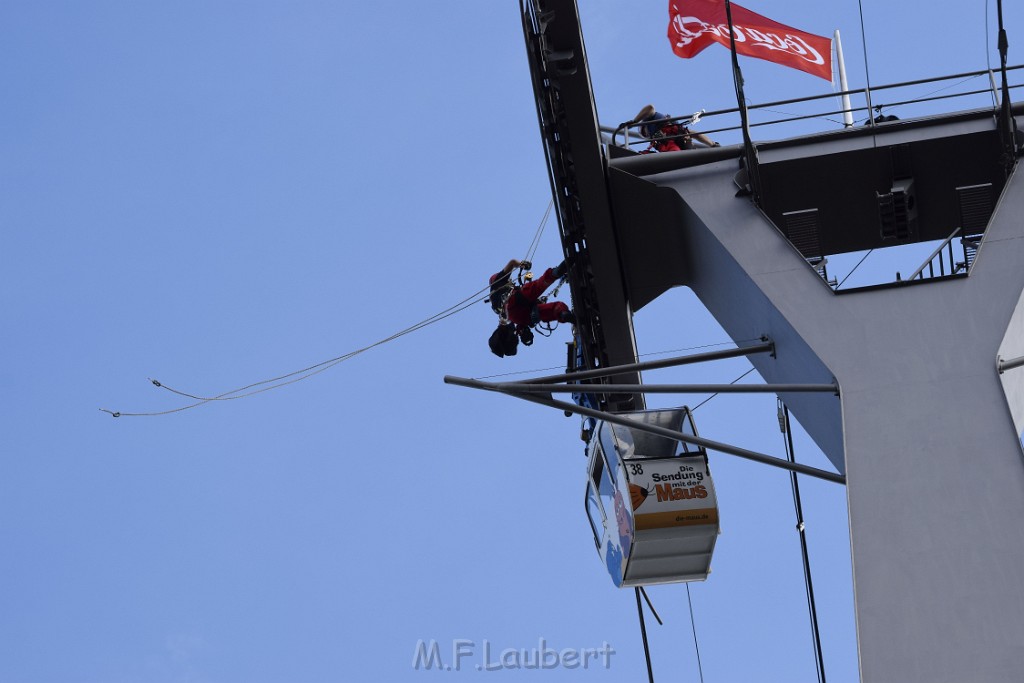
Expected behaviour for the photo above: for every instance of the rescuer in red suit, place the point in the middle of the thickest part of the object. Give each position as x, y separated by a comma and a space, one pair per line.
521, 304
667, 136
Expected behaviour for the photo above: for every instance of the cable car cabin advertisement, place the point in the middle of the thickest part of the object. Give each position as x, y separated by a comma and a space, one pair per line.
609, 512
672, 492
650, 501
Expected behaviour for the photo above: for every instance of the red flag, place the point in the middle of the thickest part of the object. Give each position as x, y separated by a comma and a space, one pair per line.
695, 24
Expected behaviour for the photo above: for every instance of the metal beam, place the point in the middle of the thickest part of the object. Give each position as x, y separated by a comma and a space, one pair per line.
763, 347
531, 388
1010, 364
659, 431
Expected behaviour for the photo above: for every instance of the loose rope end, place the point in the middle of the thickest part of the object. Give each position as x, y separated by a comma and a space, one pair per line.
112, 413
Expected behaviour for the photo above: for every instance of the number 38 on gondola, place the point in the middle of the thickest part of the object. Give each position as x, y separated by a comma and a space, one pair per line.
650, 500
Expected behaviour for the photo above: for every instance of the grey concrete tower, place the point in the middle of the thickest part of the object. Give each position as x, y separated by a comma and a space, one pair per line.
927, 427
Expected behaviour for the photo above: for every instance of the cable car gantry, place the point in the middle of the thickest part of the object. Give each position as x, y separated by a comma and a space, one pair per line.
748, 228
930, 370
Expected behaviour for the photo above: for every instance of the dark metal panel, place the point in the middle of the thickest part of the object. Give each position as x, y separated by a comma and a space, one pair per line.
648, 222
844, 187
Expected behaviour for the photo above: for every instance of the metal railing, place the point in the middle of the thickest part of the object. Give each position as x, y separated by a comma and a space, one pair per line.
929, 262
864, 113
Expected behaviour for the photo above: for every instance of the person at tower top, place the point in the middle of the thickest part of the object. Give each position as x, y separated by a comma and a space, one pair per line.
666, 136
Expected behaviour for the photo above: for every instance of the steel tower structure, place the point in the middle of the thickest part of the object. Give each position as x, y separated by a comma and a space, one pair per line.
926, 429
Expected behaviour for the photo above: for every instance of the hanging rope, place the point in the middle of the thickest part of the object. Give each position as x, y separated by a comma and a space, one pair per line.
643, 634
312, 370
540, 231
784, 425
693, 626
297, 375
643, 629
650, 605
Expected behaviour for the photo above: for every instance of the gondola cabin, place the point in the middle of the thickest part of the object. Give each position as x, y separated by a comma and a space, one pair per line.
650, 501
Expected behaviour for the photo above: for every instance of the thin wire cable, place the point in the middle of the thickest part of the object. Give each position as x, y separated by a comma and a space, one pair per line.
650, 606
298, 375
521, 372
787, 113
867, 70
855, 267
312, 370
324, 365
925, 97
988, 57
715, 394
693, 625
643, 634
642, 355
695, 348
988, 46
812, 610
540, 231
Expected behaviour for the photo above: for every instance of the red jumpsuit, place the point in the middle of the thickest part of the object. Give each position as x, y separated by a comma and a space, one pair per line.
673, 144
523, 299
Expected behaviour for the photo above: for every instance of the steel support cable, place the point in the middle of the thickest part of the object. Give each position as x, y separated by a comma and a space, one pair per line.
759, 107
784, 424
855, 268
988, 47
713, 395
867, 71
750, 152
1008, 131
643, 634
643, 629
297, 375
540, 231
927, 97
650, 605
693, 627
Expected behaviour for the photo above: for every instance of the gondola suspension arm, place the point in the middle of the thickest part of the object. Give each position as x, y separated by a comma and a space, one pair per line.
653, 429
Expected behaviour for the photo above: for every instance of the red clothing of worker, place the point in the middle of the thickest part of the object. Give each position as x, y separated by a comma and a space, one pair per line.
664, 143
523, 300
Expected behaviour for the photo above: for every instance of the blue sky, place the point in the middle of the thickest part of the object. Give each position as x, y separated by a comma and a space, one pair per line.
215, 193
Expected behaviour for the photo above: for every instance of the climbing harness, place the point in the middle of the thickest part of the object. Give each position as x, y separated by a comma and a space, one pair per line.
502, 290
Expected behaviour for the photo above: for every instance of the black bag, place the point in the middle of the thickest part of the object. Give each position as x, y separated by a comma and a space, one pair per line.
526, 335
501, 283
503, 341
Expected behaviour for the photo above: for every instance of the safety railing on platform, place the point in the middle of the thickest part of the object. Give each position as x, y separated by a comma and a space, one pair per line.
939, 256
877, 113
